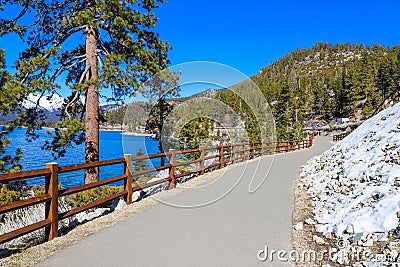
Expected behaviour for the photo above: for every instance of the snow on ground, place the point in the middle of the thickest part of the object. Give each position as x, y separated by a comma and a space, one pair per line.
355, 185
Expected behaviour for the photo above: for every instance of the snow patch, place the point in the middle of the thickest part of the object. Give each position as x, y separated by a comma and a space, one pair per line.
356, 183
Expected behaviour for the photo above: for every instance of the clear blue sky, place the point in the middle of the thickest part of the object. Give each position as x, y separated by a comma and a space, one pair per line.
248, 35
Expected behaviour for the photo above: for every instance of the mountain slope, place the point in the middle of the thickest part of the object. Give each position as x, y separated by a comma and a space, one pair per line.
49, 102
325, 82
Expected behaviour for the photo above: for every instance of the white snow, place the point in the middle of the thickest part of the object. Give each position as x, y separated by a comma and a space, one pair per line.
48, 102
354, 182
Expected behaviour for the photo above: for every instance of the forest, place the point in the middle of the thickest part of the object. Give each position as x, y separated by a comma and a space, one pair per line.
321, 84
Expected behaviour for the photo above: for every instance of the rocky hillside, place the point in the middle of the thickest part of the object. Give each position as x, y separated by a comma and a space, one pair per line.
327, 81
355, 188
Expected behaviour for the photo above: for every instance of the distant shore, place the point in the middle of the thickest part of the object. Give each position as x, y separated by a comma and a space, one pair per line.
139, 134
102, 129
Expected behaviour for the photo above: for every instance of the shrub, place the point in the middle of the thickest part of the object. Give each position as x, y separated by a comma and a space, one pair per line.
87, 196
8, 196
39, 190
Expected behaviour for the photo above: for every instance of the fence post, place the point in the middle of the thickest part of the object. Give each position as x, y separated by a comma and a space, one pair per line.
172, 169
202, 152
233, 153
51, 212
128, 179
262, 148
252, 150
221, 156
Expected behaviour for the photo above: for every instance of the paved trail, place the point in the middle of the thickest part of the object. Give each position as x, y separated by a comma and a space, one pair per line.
227, 232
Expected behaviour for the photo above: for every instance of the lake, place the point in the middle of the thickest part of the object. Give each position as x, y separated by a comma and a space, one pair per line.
113, 144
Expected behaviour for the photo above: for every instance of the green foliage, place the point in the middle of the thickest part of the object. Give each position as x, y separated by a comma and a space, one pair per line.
193, 134
8, 196
115, 116
158, 89
140, 164
327, 82
9, 97
323, 82
39, 190
87, 196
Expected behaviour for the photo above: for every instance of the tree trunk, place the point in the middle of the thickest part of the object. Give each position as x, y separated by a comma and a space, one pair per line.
92, 103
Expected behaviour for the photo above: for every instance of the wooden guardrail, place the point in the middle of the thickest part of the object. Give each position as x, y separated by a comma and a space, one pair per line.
338, 137
226, 154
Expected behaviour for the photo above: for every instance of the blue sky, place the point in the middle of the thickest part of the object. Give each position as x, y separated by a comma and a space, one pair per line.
248, 35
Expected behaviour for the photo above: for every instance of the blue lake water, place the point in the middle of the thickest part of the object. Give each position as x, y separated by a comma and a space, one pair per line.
112, 145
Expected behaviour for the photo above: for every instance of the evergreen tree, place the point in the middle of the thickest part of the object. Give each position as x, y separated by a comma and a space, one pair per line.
118, 52
140, 164
281, 112
194, 133
159, 89
9, 98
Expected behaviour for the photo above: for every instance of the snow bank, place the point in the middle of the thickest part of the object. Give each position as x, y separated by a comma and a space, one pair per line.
355, 185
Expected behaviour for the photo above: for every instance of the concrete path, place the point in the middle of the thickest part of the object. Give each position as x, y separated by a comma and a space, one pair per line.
227, 232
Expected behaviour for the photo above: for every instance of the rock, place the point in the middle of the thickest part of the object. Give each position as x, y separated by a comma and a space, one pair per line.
310, 221
156, 188
368, 243
379, 237
299, 226
137, 195
318, 240
328, 235
393, 254
25, 216
349, 229
393, 245
117, 204
90, 214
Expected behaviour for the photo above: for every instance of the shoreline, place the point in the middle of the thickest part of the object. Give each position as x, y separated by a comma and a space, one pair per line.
138, 134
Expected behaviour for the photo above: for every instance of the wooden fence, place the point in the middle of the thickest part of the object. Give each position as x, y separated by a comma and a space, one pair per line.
226, 155
338, 137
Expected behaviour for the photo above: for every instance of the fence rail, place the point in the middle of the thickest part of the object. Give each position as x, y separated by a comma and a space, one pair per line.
226, 155
338, 137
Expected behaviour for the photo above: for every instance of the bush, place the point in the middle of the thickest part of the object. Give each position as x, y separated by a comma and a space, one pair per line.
87, 196
39, 190
8, 196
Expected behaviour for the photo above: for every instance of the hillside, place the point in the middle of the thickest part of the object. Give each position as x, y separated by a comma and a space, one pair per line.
312, 87
355, 187
327, 82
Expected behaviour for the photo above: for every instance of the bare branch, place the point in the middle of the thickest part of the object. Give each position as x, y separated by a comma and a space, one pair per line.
76, 93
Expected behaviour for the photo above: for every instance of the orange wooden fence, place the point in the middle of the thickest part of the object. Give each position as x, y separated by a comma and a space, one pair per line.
226, 154
338, 137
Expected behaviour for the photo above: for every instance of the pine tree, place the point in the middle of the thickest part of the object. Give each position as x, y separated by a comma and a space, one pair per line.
158, 90
9, 98
118, 52
282, 112
140, 164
